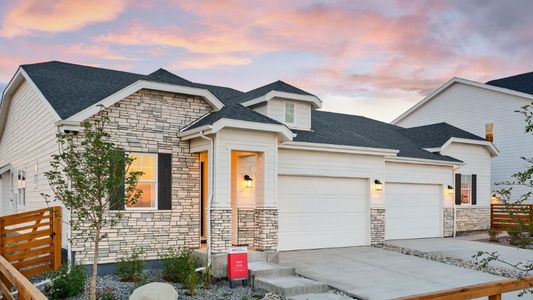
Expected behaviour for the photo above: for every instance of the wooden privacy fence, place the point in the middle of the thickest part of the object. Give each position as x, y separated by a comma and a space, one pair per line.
31, 241
11, 276
507, 216
493, 290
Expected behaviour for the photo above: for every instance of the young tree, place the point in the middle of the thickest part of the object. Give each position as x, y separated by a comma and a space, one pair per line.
89, 175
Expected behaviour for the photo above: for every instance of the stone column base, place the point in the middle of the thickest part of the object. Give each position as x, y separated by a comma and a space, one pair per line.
447, 221
266, 233
246, 226
377, 226
220, 230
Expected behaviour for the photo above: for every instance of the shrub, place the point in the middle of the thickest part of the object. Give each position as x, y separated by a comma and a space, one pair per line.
130, 268
66, 284
519, 239
180, 266
106, 294
493, 234
207, 279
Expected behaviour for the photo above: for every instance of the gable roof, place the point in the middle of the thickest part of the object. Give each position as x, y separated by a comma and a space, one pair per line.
234, 112
358, 131
456, 80
436, 135
279, 86
521, 82
71, 88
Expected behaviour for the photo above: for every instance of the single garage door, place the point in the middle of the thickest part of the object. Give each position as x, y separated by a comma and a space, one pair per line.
412, 211
322, 212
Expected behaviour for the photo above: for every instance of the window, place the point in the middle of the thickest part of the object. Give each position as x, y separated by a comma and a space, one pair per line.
466, 189
146, 163
21, 188
289, 112
489, 132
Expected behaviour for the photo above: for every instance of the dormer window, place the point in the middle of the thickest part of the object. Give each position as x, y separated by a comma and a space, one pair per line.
289, 112
489, 132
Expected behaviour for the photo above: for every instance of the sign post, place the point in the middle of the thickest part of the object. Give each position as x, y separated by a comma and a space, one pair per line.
237, 265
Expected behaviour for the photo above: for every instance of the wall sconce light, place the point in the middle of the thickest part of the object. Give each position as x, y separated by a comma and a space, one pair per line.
248, 181
450, 189
495, 199
21, 180
378, 186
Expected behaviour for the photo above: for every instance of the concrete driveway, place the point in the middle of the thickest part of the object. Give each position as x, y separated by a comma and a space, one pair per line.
373, 273
464, 249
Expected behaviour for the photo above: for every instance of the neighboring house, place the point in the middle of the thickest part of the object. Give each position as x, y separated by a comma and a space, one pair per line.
485, 109
263, 168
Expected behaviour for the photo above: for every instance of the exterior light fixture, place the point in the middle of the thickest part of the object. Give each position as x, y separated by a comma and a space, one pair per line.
248, 181
450, 189
495, 199
378, 186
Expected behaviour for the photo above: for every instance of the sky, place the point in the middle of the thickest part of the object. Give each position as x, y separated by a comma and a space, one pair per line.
371, 58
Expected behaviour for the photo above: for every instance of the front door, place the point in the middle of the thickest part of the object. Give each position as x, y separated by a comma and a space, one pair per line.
7, 194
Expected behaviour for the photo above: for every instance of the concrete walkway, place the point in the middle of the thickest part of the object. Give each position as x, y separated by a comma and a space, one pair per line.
464, 249
373, 273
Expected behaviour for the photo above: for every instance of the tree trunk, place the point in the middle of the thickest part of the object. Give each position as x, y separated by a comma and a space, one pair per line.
92, 286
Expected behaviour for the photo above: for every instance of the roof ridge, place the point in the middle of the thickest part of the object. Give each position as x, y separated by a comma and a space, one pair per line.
81, 65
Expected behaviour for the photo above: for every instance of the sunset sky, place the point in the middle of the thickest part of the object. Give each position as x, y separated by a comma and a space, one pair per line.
368, 58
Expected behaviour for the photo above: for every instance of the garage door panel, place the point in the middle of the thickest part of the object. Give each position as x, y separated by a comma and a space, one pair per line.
412, 211
322, 212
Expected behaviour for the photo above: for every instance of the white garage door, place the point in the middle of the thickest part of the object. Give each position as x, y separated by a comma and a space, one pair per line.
412, 211
322, 212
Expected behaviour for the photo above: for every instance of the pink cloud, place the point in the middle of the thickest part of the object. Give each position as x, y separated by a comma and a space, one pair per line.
210, 61
32, 16
93, 50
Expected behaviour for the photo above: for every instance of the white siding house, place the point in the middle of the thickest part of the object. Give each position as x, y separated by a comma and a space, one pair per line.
473, 106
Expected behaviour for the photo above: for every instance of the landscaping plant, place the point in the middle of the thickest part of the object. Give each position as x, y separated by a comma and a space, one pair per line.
180, 266
519, 234
65, 283
207, 278
493, 234
130, 268
106, 294
88, 176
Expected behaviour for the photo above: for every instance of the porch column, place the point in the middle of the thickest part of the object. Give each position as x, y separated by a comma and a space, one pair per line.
266, 212
221, 204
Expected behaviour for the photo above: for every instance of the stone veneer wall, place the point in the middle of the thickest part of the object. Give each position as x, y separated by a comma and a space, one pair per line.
471, 218
246, 226
220, 230
448, 221
377, 226
149, 121
266, 234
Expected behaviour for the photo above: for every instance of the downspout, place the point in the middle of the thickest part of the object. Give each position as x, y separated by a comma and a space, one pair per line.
211, 181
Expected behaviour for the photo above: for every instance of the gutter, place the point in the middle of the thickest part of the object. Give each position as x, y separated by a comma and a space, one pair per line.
211, 181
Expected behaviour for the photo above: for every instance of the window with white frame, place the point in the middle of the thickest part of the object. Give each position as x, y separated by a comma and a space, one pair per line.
289, 112
146, 163
466, 189
21, 188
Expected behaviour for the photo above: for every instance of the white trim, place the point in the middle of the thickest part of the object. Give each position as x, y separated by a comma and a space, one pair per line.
10, 90
463, 81
143, 84
338, 148
317, 103
285, 132
7, 167
424, 161
490, 146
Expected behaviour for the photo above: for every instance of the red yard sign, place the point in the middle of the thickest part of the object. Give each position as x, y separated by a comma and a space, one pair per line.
237, 263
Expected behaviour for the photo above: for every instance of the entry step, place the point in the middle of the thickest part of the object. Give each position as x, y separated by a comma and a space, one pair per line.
320, 296
268, 269
290, 285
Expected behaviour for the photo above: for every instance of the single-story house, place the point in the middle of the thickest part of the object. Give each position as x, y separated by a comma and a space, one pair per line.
264, 168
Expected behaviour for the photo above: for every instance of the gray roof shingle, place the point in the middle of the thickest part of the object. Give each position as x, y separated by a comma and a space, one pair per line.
435, 135
70, 88
235, 112
520, 83
351, 130
263, 90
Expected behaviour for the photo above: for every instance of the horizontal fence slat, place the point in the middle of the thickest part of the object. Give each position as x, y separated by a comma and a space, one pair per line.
27, 236
33, 226
511, 216
40, 260
26, 254
28, 245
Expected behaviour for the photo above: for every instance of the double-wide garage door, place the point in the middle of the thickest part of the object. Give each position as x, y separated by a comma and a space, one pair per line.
412, 211
322, 212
